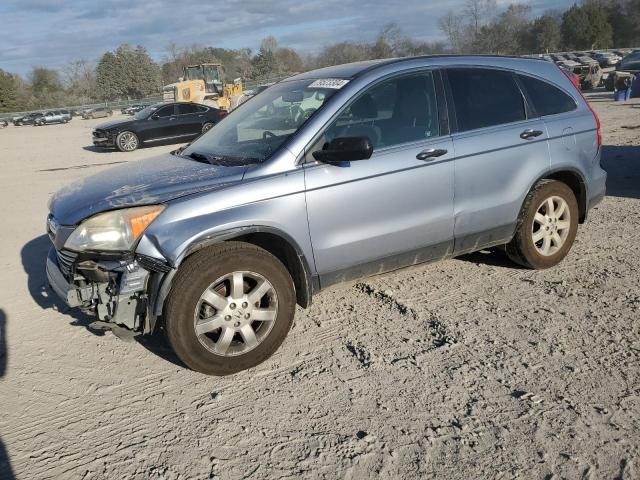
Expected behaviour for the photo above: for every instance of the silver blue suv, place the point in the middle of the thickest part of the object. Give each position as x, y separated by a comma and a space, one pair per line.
328, 176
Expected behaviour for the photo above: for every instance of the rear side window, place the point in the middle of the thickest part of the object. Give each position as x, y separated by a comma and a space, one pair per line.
546, 99
484, 97
185, 109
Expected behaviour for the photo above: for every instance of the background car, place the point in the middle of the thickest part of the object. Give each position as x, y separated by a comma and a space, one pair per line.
586, 60
98, 112
630, 63
160, 123
132, 109
590, 75
606, 59
4, 122
27, 119
66, 114
53, 116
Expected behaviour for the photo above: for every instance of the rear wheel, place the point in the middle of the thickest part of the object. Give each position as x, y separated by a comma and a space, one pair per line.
547, 226
229, 309
206, 127
127, 141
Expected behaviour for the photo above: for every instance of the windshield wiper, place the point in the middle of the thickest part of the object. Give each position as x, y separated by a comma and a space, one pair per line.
199, 157
223, 160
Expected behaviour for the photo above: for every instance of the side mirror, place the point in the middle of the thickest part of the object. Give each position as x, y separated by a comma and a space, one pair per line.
155, 116
345, 149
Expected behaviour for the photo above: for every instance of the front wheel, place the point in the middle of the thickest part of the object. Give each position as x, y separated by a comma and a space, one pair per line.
546, 227
127, 141
230, 307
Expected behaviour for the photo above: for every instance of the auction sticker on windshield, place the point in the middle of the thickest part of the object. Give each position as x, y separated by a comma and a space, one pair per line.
335, 83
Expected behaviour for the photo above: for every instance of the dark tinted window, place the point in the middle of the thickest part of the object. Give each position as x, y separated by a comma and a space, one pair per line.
201, 109
165, 111
393, 112
546, 99
184, 109
483, 97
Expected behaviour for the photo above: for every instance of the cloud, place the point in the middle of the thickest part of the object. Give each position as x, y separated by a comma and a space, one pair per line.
54, 32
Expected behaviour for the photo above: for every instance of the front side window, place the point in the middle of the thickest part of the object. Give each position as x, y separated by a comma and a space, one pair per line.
393, 112
484, 98
165, 111
257, 128
546, 99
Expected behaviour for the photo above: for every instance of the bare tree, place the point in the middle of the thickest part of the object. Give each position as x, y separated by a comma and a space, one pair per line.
453, 26
79, 78
478, 12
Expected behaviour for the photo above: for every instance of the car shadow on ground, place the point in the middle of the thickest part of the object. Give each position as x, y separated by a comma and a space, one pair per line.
34, 254
622, 164
94, 149
6, 472
494, 257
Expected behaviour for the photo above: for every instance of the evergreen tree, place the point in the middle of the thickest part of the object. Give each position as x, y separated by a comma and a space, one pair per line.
8, 92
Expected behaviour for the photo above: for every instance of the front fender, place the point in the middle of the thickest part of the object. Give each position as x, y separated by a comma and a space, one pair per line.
274, 205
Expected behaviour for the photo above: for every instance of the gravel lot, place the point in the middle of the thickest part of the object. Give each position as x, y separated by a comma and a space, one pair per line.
468, 368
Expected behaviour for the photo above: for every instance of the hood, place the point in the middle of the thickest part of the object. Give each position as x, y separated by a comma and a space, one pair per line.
139, 182
113, 123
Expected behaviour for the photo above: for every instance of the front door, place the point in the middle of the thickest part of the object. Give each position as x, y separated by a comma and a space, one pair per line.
396, 208
160, 125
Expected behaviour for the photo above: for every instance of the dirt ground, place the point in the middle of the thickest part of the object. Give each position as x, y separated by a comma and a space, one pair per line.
468, 368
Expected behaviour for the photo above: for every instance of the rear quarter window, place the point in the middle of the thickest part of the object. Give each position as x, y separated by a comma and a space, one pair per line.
484, 97
547, 99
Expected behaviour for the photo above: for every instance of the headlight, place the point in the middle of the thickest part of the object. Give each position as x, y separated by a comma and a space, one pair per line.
117, 230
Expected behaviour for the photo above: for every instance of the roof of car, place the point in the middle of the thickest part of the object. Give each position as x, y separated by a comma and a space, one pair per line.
356, 69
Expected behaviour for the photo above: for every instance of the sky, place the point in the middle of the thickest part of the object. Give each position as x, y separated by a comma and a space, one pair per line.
52, 33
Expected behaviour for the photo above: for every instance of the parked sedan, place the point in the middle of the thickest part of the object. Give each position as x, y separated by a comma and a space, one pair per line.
56, 116
586, 60
606, 59
160, 123
99, 112
27, 119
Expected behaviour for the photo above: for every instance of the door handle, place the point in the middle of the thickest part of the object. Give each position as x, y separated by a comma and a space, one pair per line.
172, 118
431, 153
529, 133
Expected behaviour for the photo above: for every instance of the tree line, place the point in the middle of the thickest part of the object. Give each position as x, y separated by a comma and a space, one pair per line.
479, 27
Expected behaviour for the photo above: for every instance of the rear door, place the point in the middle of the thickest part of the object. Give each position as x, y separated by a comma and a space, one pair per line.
501, 148
396, 208
190, 120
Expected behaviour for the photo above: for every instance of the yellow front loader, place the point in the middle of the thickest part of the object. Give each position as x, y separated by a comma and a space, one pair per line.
204, 83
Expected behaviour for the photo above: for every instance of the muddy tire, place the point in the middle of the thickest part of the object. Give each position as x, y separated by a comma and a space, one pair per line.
230, 307
546, 227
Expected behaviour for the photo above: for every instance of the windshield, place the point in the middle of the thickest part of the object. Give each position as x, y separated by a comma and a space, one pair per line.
145, 112
257, 128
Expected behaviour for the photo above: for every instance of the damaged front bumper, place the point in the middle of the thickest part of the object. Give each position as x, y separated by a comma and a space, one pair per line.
115, 290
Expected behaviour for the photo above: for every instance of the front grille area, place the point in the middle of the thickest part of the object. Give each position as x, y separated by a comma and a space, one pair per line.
66, 259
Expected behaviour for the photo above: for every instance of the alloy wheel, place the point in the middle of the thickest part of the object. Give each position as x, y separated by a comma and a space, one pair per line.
235, 313
551, 225
128, 141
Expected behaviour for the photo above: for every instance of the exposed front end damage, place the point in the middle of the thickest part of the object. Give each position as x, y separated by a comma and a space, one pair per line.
115, 291
114, 287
